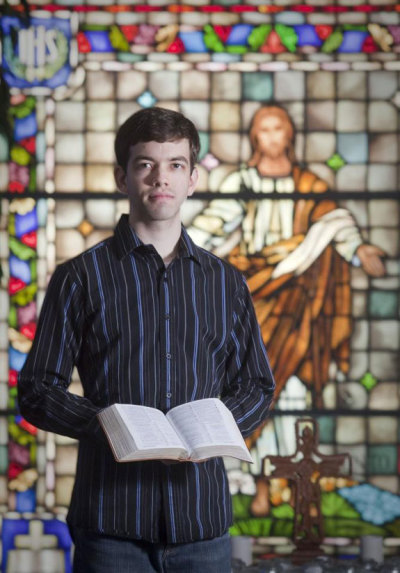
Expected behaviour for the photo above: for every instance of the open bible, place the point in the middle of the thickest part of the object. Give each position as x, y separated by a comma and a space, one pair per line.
193, 432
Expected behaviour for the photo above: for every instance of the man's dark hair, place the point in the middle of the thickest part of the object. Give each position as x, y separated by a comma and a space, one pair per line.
155, 124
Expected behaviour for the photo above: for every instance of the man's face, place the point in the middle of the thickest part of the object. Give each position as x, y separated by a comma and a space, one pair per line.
272, 137
157, 180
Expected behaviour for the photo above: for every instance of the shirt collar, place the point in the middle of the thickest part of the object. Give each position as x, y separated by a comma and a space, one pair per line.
126, 241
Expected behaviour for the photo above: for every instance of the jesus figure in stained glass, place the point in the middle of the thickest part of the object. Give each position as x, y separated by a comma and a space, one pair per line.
296, 256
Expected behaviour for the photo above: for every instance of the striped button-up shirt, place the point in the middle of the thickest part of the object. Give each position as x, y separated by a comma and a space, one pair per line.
141, 333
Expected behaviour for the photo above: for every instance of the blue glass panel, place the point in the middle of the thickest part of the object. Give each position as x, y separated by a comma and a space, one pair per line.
373, 504
26, 500
40, 146
353, 41
26, 223
193, 41
146, 99
25, 127
353, 147
20, 269
307, 36
99, 40
60, 530
41, 211
16, 358
239, 35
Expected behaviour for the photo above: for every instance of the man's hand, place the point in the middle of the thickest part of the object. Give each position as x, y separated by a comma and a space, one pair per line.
371, 260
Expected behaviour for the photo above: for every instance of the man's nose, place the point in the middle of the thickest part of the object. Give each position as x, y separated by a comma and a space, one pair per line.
159, 176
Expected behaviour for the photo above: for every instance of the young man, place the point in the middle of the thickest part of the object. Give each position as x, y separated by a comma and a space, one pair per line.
148, 318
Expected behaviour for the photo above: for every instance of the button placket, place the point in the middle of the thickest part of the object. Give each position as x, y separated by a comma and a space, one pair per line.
167, 331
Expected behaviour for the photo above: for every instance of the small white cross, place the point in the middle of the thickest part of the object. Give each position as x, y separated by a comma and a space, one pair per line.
36, 539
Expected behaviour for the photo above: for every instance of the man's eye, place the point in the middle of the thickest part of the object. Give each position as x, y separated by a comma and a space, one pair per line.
177, 165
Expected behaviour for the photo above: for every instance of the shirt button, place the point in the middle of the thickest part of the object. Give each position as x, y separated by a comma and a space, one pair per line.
167, 316
168, 394
168, 355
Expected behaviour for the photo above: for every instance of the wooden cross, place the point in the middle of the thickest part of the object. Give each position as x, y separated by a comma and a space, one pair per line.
305, 468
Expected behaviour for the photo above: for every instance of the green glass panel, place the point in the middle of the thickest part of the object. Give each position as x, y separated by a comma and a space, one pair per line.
333, 42
383, 304
3, 148
3, 460
25, 108
326, 429
12, 398
288, 36
258, 36
382, 460
20, 155
20, 250
282, 528
257, 86
32, 179
25, 296
34, 270
130, 58
368, 381
284, 511
11, 224
204, 144
237, 49
333, 505
241, 506
353, 528
394, 528
336, 162
211, 39
12, 317
19, 435
118, 40
32, 453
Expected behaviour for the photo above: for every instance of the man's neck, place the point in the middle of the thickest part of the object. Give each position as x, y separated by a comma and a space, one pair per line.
164, 237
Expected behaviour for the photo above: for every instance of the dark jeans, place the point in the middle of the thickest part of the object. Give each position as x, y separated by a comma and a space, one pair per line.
96, 553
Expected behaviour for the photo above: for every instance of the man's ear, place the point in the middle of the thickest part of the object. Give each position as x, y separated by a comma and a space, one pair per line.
120, 178
194, 178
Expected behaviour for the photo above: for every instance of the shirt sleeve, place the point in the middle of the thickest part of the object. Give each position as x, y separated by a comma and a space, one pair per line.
250, 383
43, 382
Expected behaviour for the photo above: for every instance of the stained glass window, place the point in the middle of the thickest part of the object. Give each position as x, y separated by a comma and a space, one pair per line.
72, 73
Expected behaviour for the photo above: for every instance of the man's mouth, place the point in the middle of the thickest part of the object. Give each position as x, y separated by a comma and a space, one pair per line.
160, 196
